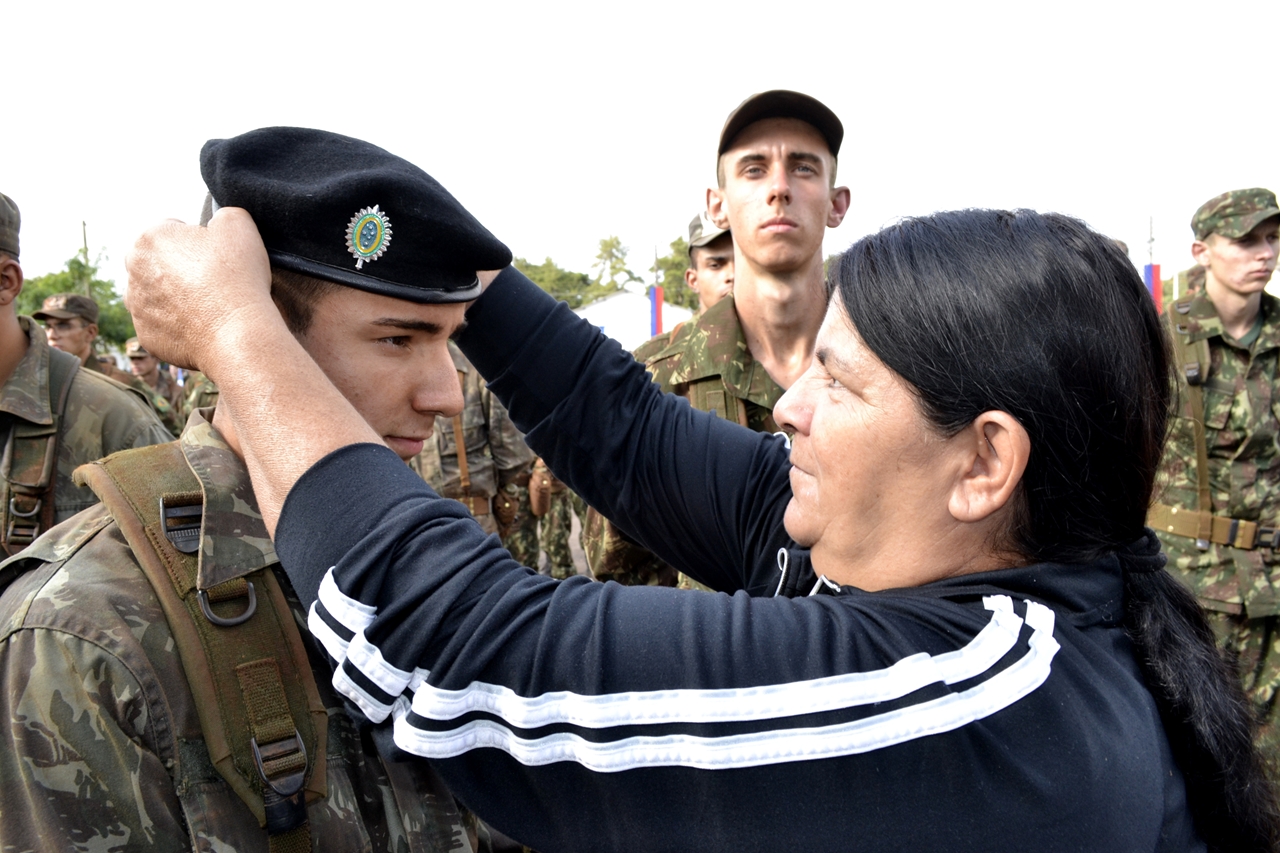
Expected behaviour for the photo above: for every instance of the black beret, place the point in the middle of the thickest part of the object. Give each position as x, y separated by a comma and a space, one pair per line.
328, 206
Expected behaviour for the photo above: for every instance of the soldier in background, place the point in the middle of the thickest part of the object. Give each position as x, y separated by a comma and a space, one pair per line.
71, 322
777, 194
200, 392
555, 504
146, 367
710, 272
1219, 491
479, 459
51, 406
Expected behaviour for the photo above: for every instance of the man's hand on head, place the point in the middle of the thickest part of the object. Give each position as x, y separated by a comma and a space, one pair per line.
194, 291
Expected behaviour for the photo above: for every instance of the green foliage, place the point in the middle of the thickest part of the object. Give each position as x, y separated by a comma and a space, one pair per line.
670, 269
575, 288
611, 264
115, 326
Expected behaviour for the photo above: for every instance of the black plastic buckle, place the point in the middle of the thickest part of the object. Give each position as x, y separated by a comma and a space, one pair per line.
24, 527
182, 525
1268, 537
283, 798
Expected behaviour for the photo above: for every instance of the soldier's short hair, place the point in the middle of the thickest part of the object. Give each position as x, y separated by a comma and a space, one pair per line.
297, 295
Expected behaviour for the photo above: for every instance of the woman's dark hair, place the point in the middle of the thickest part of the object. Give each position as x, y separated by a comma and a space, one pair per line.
1038, 316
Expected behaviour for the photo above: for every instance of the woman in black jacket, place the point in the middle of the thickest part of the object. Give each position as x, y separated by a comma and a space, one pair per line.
947, 626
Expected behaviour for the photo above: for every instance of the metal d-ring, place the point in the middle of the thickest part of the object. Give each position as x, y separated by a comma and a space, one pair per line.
234, 620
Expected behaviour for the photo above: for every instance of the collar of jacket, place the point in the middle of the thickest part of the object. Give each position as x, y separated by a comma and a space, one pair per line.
717, 337
234, 540
26, 393
1203, 322
1085, 594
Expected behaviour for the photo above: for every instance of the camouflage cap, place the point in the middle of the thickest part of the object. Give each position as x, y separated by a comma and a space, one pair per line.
703, 231
66, 306
1234, 213
10, 224
133, 349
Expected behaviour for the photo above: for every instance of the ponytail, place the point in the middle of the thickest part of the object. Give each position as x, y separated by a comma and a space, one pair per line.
1208, 719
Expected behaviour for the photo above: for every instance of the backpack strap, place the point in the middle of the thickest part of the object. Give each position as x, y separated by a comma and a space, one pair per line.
29, 466
262, 719
1193, 362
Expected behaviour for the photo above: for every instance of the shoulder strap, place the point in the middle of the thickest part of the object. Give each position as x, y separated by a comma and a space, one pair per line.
1193, 360
263, 722
29, 466
464, 474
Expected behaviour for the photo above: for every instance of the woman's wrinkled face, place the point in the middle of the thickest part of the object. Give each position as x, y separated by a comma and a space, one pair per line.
869, 473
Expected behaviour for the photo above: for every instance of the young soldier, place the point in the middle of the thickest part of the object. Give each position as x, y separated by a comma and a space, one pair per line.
1219, 514
777, 194
164, 699
146, 367
59, 416
71, 323
710, 272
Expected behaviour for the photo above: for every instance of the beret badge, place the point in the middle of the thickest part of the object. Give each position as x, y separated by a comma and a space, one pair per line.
368, 235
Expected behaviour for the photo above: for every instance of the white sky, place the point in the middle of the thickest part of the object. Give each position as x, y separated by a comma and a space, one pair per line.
558, 125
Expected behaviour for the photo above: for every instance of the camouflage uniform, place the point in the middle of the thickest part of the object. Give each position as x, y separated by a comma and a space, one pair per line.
200, 393
169, 416
1239, 587
556, 526
498, 464
104, 749
707, 362
100, 418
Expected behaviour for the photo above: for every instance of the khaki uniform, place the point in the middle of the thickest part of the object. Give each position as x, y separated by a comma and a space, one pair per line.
100, 418
498, 462
707, 362
1238, 587
555, 525
105, 748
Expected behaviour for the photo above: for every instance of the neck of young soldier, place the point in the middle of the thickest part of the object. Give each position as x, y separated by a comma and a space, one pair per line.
1238, 311
780, 315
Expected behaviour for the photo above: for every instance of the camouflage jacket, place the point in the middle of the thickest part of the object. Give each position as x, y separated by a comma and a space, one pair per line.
1242, 429
495, 449
707, 362
100, 418
164, 409
104, 747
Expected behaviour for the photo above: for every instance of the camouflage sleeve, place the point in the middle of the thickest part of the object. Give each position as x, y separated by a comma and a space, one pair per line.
125, 423
511, 456
74, 773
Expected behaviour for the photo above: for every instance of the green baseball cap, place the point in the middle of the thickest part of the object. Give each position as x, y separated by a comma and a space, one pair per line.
68, 306
1234, 213
10, 223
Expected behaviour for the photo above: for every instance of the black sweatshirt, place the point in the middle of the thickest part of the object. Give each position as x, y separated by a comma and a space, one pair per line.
996, 711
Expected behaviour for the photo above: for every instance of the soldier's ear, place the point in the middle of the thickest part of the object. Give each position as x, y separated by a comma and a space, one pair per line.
10, 279
715, 208
1200, 251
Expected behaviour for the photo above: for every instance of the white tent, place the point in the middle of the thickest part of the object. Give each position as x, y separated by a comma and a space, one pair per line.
625, 317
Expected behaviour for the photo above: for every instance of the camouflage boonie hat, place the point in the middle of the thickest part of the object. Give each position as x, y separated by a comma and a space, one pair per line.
10, 224
703, 231
66, 306
1234, 213
133, 349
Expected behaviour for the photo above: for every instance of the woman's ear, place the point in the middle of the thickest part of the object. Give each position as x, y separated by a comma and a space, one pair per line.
996, 448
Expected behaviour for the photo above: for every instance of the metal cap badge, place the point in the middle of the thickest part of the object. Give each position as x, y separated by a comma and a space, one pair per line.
368, 235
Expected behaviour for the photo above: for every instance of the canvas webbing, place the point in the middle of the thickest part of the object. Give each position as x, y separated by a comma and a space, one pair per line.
263, 722
1200, 524
29, 467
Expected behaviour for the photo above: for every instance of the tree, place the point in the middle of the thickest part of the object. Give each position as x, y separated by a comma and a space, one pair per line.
611, 264
115, 326
575, 288
670, 269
